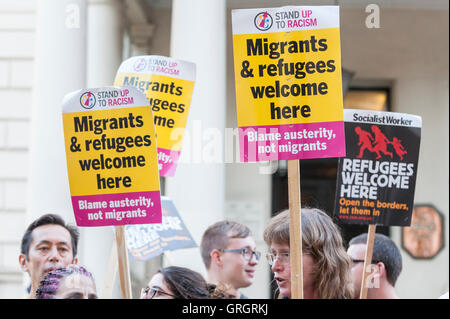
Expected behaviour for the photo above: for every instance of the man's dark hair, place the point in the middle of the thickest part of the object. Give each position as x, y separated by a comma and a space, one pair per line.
49, 219
385, 251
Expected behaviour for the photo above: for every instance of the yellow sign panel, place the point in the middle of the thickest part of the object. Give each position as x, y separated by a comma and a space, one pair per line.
109, 148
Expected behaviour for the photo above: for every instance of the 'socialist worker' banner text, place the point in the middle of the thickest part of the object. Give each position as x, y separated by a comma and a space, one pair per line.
376, 180
287, 64
111, 157
168, 84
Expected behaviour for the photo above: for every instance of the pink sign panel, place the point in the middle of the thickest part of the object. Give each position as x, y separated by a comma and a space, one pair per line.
117, 209
292, 141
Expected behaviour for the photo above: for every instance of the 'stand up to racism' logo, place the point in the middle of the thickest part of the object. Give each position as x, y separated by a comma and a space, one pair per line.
378, 143
87, 100
140, 64
263, 21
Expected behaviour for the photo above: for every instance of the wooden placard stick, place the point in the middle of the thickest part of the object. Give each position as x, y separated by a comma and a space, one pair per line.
111, 273
124, 269
295, 229
367, 261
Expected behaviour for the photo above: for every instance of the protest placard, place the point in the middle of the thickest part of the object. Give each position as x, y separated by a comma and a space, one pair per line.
168, 85
111, 157
376, 180
110, 146
287, 64
145, 242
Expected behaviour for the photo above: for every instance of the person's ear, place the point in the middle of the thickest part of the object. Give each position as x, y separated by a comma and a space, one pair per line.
216, 257
381, 270
75, 261
373, 278
376, 273
23, 262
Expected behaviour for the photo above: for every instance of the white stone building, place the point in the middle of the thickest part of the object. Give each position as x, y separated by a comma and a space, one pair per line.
51, 47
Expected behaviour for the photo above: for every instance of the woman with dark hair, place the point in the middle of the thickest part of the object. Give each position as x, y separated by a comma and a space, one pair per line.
181, 283
71, 282
326, 265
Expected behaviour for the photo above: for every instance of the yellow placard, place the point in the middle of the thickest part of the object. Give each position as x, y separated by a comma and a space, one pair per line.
168, 85
287, 66
111, 155
169, 99
288, 77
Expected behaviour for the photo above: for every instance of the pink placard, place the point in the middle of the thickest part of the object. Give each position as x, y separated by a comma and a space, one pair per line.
117, 209
292, 141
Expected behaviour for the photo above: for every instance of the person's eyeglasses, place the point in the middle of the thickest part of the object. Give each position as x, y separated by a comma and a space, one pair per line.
283, 258
150, 293
356, 261
245, 252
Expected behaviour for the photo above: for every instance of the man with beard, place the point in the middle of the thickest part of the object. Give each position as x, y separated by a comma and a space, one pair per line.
48, 243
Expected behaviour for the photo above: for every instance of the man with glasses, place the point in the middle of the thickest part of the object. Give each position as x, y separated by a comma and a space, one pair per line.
385, 269
230, 257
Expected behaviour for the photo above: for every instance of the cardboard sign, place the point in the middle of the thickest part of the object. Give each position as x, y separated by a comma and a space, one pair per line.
376, 181
168, 84
111, 157
147, 241
287, 64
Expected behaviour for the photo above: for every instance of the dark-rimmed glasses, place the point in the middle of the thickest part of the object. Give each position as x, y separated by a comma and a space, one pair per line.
245, 252
356, 261
153, 292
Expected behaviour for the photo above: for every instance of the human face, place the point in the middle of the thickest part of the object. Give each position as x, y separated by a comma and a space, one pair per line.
236, 270
357, 252
76, 286
159, 287
50, 248
282, 271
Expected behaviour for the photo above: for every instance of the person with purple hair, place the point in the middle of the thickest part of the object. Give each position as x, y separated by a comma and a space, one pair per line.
71, 282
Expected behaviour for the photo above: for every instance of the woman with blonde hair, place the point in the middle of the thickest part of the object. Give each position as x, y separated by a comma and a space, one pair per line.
326, 265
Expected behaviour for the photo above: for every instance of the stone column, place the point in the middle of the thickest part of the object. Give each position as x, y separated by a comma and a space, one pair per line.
198, 188
104, 41
60, 68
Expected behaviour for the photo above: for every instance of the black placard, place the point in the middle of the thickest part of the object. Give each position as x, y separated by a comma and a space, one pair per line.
376, 180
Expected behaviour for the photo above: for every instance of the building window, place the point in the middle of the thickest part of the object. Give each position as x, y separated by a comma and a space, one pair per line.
376, 99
